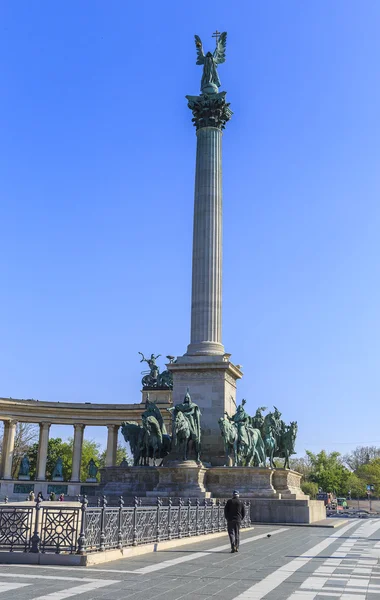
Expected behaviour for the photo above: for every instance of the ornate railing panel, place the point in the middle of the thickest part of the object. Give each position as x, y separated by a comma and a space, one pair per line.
16, 528
59, 529
93, 521
146, 524
65, 528
111, 527
127, 526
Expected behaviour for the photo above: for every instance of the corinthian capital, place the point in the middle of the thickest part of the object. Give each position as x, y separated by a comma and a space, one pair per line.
210, 110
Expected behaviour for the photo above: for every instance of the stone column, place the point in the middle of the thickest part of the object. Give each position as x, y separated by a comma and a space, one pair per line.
77, 451
42, 451
8, 448
111, 445
210, 115
5, 441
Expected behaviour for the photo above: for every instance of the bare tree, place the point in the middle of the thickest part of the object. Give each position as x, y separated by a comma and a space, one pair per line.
360, 456
26, 435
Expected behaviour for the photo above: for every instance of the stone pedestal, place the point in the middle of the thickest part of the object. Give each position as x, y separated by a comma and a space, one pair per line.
24, 477
212, 385
251, 482
264, 510
128, 481
181, 479
57, 479
288, 484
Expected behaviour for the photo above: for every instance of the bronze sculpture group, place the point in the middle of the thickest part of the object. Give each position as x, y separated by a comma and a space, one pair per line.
251, 441
248, 441
150, 442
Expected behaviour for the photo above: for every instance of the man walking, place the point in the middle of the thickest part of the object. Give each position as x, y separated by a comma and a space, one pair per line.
234, 512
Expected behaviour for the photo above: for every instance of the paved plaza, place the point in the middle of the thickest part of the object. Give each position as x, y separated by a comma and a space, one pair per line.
295, 563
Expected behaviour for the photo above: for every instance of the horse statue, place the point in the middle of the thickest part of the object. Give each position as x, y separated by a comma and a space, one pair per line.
230, 438
182, 436
147, 442
152, 439
133, 434
287, 443
269, 440
257, 456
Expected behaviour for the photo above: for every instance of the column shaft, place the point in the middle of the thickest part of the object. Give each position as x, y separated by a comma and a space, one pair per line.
206, 302
9, 450
111, 445
4, 446
42, 451
77, 451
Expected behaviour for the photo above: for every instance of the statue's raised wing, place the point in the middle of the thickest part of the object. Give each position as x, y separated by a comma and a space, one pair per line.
220, 50
200, 53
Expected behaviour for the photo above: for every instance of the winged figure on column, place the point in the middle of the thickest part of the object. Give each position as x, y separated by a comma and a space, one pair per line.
210, 78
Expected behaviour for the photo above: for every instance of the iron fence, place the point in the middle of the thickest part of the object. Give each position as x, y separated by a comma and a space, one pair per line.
83, 529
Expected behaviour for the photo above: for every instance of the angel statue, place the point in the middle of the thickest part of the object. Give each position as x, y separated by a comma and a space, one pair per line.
210, 78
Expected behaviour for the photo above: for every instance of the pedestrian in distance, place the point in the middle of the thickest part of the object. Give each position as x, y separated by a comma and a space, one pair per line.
62, 498
31, 496
40, 497
234, 512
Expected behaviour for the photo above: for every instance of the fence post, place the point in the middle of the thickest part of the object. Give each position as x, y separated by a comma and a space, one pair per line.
188, 517
169, 519
197, 517
249, 514
102, 522
180, 505
224, 520
36, 540
82, 535
119, 535
218, 509
135, 505
158, 520
212, 516
99, 503
204, 516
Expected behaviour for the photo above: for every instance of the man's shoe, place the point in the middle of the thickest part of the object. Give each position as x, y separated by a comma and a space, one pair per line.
236, 549
232, 550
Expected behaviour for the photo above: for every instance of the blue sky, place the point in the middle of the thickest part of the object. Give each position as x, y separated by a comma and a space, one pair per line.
97, 159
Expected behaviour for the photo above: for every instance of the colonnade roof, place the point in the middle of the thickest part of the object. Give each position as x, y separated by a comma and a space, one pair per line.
72, 413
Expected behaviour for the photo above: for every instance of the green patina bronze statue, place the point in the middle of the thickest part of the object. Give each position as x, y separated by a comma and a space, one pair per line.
245, 440
149, 441
153, 379
250, 441
187, 426
210, 78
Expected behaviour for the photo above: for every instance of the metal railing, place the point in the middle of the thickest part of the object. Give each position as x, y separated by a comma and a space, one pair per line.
84, 529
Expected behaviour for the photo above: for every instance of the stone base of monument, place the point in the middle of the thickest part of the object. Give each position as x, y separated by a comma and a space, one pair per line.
184, 479
57, 478
265, 510
288, 484
24, 477
251, 482
128, 481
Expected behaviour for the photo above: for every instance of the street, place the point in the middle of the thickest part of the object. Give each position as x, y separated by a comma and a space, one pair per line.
295, 563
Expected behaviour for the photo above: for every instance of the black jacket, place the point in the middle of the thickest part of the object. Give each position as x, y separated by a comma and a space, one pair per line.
234, 510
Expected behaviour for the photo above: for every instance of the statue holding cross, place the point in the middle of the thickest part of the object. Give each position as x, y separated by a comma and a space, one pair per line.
210, 78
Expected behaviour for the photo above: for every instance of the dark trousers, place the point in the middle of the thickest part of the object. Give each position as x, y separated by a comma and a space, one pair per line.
233, 528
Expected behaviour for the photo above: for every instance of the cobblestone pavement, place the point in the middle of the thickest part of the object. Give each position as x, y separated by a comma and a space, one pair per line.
295, 563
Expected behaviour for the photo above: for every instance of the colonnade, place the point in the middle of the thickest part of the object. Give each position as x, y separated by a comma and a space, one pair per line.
9, 444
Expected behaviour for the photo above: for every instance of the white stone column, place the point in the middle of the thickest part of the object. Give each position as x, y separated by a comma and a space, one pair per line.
8, 449
77, 451
4, 445
206, 300
42, 451
111, 445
